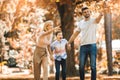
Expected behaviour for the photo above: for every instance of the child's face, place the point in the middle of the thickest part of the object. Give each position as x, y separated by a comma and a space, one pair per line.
59, 35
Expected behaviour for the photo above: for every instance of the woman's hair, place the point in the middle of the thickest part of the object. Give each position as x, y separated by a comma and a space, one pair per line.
46, 24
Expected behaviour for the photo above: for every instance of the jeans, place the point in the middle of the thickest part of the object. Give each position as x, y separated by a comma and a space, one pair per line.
85, 51
57, 66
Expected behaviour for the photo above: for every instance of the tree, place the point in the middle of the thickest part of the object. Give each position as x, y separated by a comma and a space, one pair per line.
108, 38
66, 11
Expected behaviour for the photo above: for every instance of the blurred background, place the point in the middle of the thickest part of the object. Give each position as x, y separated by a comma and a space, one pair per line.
22, 20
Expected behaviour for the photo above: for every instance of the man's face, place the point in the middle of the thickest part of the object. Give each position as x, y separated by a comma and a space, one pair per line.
86, 13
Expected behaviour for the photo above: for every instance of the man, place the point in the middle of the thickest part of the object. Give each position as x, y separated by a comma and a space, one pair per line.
40, 53
59, 50
87, 27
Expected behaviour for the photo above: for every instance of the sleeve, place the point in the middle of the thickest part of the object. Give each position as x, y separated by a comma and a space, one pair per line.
93, 21
66, 41
78, 27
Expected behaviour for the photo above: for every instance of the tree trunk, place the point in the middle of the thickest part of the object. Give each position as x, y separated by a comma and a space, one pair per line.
42, 3
108, 38
66, 12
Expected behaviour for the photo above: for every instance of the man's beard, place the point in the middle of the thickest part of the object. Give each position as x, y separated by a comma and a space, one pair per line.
87, 16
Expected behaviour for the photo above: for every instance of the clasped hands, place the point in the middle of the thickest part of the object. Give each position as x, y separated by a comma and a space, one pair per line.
68, 46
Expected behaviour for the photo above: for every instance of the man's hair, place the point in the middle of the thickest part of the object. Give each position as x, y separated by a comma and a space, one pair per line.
58, 32
84, 8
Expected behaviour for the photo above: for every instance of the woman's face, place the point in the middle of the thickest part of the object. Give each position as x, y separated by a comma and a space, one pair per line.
48, 26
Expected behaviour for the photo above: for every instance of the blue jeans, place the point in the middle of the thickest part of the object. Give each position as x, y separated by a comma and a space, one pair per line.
85, 51
57, 66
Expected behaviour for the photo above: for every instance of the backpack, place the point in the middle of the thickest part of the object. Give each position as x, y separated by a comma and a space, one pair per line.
11, 62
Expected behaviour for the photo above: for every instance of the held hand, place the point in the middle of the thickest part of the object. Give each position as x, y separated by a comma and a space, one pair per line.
68, 46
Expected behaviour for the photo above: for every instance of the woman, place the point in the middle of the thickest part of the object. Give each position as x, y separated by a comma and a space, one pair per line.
59, 49
40, 53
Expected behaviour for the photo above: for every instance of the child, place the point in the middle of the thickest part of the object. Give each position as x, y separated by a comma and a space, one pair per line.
60, 55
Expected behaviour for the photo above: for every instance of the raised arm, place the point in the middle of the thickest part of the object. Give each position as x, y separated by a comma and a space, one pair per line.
97, 20
51, 30
72, 38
